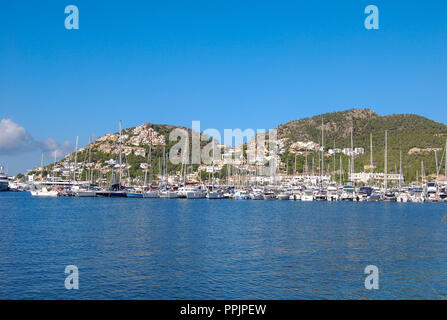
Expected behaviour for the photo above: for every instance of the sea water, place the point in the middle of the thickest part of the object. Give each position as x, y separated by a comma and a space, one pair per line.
220, 249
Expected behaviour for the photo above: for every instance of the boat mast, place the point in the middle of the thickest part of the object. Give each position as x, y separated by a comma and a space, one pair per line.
341, 166
400, 171
445, 174
165, 163
183, 162
90, 159
159, 168
294, 170
213, 168
371, 155
147, 165
319, 162
120, 157
322, 147
41, 170
386, 160
313, 163
163, 166
436, 162
334, 160
69, 169
54, 165
423, 171
228, 173
149, 156
307, 168
349, 169
352, 153
186, 160
76, 159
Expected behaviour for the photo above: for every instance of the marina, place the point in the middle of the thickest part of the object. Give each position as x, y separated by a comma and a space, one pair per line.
419, 194
242, 181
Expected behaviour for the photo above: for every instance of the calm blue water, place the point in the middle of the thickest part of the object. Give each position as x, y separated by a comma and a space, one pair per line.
221, 249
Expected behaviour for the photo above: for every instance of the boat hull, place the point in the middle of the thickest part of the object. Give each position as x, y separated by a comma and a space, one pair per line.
195, 195
214, 195
151, 194
134, 195
85, 194
4, 186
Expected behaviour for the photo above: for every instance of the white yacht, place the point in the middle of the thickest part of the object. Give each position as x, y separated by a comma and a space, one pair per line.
164, 193
320, 195
151, 194
83, 192
417, 195
256, 196
44, 192
241, 195
432, 192
332, 193
284, 195
431, 187
348, 193
4, 183
269, 195
307, 195
215, 194
402, 196
192, 192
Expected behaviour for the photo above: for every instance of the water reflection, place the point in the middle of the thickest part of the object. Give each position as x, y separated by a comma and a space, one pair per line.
201, 249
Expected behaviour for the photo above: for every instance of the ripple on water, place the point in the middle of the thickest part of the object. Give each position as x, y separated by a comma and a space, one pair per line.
180, 249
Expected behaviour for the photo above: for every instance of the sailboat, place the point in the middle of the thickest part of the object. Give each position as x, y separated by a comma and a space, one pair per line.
115, 190
389, 195
214, 193
152, 192
43, 192
87, 190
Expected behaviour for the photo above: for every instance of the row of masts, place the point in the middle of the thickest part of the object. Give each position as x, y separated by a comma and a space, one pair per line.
352, 167
184, 169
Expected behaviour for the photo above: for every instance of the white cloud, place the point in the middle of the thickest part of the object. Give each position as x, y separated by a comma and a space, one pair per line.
57, 150
14, 139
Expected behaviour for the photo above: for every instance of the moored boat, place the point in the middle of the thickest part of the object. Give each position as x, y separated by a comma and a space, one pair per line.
4, 183
241, 195
269, 195
320, 195
150, 194
307, 195
44, 192
389, 196
215, 194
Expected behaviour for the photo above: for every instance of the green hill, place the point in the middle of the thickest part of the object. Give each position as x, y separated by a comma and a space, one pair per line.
405, 132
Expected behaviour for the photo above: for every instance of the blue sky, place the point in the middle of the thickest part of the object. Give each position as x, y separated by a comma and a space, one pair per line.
229, 64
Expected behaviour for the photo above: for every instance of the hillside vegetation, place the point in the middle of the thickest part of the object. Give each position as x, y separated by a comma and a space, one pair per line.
405, 132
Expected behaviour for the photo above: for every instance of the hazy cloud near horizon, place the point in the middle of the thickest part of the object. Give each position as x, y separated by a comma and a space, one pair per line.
15, 140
